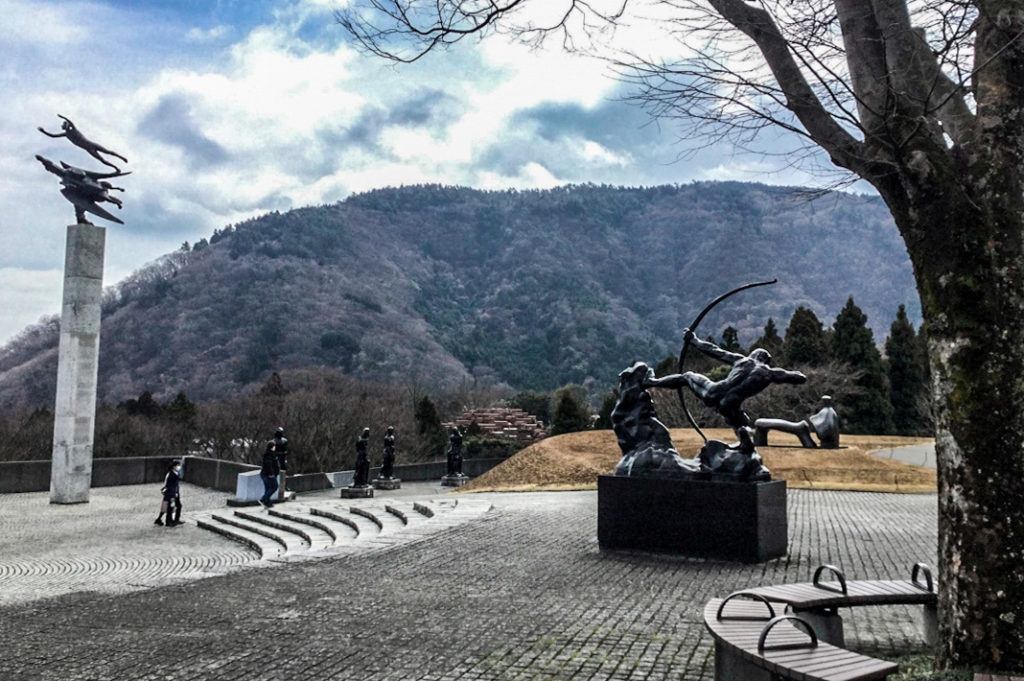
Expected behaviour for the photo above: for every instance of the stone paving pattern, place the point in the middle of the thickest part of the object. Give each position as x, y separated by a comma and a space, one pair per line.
522, 592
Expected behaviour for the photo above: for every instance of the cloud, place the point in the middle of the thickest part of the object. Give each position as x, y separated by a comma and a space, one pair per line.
171, 121
39, 294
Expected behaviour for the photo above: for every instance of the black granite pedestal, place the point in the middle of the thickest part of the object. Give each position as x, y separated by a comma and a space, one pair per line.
739, 521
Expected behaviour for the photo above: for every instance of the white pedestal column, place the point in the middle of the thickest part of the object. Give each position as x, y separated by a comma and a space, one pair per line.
77, 365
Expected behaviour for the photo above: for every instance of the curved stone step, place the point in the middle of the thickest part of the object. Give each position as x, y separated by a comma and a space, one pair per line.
266, 547
377, 513
364, 527
322, 525
340, 532
292, 543
316, 538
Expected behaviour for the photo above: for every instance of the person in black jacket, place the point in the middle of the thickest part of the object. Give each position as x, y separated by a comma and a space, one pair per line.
172, 496
268, 473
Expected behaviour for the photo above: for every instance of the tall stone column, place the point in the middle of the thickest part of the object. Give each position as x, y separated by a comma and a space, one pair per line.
77, 364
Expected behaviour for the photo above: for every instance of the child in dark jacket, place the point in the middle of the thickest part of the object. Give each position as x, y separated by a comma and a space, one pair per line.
171, 491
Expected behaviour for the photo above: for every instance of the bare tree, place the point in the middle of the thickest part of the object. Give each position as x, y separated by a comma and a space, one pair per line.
924, 99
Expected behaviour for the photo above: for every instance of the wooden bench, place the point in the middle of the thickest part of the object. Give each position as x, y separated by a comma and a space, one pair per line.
817, 602
753, 643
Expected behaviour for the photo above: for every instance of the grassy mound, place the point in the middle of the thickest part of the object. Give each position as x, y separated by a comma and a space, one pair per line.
573, 462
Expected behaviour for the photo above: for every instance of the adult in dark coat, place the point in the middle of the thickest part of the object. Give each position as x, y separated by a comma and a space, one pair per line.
269, 471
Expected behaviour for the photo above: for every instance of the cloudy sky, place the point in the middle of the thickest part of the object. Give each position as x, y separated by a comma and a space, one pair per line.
227, 109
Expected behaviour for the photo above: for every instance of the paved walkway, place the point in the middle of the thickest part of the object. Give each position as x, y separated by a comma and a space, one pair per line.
521, 592
915, 455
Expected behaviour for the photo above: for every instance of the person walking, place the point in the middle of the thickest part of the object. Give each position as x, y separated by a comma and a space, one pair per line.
171, 504
268, 473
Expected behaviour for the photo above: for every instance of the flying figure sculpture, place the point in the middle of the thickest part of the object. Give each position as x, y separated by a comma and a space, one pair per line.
75, 136
85, 189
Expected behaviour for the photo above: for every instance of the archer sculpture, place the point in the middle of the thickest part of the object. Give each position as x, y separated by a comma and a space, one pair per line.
645, 443
85, 189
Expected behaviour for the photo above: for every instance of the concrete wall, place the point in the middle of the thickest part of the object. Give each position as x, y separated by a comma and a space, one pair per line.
214, 473
34, 476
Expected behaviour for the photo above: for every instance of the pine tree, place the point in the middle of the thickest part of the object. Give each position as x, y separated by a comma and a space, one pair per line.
770, 341
906, 375
853, 343
571, 410
428, 425
731, 340
805, 339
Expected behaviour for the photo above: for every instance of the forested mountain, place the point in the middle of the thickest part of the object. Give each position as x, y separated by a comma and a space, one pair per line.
439, 285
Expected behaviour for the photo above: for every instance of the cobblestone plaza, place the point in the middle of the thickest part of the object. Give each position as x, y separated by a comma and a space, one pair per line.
97, 592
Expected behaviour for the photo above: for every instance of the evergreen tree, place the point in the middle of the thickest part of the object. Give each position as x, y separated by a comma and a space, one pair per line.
731, 340
428, 425
181, 408
906, 375
571, 410
805, 339
770, 341
604, 415
869, 411
534, 403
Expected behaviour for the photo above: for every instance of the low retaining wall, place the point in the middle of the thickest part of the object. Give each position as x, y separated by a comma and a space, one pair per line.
34, 476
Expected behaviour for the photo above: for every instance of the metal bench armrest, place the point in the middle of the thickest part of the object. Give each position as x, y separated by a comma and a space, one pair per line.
918, 568
745, 618
834, 570
761, 642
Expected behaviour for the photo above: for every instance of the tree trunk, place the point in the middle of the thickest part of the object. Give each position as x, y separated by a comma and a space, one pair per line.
965, 235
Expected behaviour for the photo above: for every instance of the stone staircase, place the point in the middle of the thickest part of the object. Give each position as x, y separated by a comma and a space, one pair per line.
295, 529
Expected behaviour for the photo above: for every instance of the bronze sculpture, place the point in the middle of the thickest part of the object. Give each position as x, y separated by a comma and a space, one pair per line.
85, 189
75, 136
824, 424
749, 376
387, 466
362, 467
455, 453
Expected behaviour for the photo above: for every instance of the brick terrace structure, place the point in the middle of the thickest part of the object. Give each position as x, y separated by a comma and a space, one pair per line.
512, 424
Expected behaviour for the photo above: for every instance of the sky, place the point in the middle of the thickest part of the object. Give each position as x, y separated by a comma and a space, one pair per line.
228, 109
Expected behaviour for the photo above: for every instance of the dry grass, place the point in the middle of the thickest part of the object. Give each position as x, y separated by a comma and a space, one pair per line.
573, 462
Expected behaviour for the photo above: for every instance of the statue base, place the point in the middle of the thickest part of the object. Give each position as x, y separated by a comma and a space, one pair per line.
454, 480
387, 483
737, 521
357, 492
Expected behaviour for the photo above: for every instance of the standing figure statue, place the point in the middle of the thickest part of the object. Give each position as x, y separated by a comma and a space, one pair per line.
75, 136
387, 466
362, 468
455, 453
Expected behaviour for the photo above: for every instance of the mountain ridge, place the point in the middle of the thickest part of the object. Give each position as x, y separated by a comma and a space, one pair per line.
437, 285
